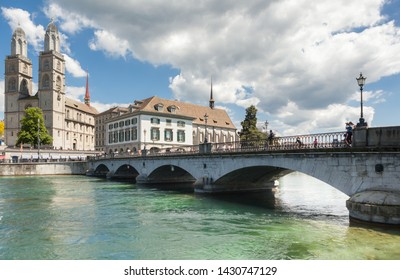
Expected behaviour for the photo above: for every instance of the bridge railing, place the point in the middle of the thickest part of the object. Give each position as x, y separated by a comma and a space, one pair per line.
309, 141
295, 142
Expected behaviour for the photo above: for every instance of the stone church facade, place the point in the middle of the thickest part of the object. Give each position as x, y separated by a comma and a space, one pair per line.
71, 123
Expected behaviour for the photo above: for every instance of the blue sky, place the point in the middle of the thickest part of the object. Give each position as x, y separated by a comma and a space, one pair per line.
295, 60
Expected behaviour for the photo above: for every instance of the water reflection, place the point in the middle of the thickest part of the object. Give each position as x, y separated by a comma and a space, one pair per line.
75, 217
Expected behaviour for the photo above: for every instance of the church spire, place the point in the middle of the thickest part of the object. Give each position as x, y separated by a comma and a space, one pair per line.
87, 94
211, 96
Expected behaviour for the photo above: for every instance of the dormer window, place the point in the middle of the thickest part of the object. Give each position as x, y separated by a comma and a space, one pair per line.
159, 107
172, 109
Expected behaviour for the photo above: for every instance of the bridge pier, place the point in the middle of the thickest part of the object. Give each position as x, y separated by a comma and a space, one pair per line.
207, 185
375, 206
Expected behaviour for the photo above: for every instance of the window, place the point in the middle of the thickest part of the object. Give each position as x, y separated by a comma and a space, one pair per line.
121, 136
58, 83
12, 84
115, 125
172, 109
155, 121
168, 135
67, 136
121, 124
128, 122
155, 134
181, 123
127, 135
168, 122
46, 64
46, 81
159, 107
110, 137
134, 133
110, 126
115, 138
134, 121
181, 136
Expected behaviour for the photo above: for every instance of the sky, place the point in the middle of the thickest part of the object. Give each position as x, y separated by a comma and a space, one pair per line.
295, 60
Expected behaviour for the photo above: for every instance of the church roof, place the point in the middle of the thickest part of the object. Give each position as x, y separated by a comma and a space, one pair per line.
77, 105
19, 32
216, 117
52, 27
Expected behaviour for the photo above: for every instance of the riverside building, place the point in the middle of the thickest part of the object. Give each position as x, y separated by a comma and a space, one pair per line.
71, 123
156, 124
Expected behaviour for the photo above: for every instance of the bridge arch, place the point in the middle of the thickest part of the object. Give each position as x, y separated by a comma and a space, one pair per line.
253, 177
170, 173
126, 172
101, 171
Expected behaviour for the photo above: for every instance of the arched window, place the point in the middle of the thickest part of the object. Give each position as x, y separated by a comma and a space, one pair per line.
46, 64
20, 47
12, 84
24, 87
53, 42
46, 81
58, 83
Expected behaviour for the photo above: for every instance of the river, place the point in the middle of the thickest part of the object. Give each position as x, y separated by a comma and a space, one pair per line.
78, 217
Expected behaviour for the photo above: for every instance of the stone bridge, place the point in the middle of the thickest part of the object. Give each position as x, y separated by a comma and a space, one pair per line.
369, 174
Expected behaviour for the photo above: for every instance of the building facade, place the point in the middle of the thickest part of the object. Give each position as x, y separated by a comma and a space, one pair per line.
70, 123
100, 125
156, 124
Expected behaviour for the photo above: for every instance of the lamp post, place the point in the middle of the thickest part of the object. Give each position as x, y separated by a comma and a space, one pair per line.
38, 138
144, 140
361, 83
205, 120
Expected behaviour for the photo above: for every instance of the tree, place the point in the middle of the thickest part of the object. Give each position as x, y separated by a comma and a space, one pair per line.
1, 128
29, 128
249, 126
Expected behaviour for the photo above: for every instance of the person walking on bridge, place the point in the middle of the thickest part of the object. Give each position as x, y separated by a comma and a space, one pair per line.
349, 133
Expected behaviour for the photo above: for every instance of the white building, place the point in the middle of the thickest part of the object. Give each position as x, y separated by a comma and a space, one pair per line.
69, 122
159, 124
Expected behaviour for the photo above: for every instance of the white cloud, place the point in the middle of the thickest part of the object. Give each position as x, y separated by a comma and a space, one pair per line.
101, 107
299, 58
34, 33
74, 67
69, 22
76, 93
109, 43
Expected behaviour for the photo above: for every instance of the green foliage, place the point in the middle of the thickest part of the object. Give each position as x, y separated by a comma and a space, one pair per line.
249, 131
1, 128
29, 128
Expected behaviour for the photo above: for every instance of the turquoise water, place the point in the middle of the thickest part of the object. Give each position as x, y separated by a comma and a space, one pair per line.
77, 217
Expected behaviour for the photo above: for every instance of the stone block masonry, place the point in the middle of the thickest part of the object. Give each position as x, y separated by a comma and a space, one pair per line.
52, 168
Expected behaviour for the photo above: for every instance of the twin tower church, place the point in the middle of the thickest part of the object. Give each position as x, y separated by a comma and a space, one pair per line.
71, 123
152, 123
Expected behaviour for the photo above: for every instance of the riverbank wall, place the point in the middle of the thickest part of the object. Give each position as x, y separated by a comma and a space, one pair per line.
43, 168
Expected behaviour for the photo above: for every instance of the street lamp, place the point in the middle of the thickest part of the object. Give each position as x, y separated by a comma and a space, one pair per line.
361, 83
38, 138
205, 119
144, 140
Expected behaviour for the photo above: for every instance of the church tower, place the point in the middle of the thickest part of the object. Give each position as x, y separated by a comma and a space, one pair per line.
52, 85
211, 97
17, 85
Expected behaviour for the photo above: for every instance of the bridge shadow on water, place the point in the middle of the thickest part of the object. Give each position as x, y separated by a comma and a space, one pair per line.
265, 199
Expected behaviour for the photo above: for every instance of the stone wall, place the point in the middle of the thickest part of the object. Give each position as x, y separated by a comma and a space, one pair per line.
54, 168
377, 137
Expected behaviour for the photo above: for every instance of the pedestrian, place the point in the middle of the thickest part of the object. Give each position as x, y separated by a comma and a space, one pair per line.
298, 141
271, 137
315, 142
349, 133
